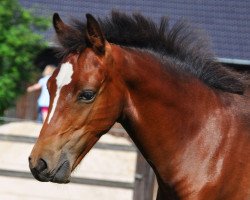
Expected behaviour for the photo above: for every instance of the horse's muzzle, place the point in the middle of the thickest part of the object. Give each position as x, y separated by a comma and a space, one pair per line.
59, 175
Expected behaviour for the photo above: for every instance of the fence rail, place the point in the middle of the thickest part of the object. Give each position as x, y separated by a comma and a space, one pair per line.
76, 180
99, 145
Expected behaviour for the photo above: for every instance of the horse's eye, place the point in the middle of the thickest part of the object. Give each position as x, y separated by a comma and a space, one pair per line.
86, 96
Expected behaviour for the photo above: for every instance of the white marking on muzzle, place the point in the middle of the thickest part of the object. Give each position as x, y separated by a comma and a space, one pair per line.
63, 78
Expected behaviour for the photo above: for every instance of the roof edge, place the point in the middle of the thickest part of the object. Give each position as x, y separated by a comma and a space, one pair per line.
234, 61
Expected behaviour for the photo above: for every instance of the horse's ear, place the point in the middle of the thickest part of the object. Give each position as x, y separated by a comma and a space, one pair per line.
59, 25
95, 36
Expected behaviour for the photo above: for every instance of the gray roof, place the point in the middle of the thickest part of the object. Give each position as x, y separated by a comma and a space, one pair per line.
227, 22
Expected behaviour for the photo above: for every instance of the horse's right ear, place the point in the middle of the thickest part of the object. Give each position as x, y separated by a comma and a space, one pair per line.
58, 24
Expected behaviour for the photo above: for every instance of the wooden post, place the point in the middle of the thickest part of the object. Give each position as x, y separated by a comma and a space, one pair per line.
26, 106
144, 180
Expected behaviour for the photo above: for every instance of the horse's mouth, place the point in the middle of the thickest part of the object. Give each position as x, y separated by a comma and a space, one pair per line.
61, 174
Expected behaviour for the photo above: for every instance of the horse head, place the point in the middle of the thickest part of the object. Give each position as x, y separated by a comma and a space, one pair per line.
84, 104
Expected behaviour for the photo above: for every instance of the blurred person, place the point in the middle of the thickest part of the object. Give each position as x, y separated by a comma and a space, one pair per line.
43, 100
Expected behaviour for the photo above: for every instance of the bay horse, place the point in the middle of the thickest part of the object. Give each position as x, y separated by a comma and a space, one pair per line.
187, 114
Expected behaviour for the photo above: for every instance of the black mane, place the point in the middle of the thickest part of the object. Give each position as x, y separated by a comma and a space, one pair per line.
181, 43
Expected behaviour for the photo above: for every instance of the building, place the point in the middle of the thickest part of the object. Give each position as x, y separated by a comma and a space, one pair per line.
226, 22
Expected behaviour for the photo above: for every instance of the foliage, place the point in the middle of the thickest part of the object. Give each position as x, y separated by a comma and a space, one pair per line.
19, 44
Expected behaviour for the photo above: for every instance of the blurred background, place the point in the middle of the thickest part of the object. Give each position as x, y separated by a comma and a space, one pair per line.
113, 169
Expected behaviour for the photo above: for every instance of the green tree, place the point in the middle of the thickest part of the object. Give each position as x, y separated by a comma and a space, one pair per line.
19, 44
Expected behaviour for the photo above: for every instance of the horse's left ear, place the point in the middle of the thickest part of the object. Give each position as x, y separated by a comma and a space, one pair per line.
95, 36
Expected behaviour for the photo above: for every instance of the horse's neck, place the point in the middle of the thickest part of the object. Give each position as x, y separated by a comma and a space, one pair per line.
170, 119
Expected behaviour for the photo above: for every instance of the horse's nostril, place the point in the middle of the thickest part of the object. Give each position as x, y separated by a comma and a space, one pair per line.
41, 165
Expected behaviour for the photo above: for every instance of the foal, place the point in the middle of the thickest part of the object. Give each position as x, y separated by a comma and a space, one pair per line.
186, 113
